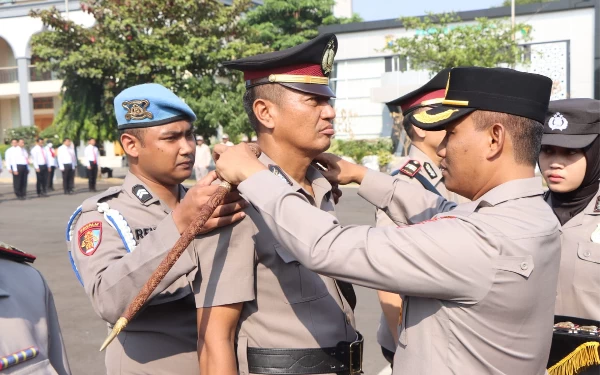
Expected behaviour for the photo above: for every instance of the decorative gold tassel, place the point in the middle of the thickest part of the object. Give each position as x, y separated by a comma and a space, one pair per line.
584, 356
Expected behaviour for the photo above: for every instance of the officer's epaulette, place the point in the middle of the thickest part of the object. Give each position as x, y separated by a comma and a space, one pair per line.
411, 168
91, 204
12, 253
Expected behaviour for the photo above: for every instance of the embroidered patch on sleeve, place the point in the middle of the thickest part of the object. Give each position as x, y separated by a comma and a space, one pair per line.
411, 168
89, 237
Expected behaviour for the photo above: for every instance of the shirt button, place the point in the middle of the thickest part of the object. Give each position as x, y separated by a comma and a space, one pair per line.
524, 266
587, 254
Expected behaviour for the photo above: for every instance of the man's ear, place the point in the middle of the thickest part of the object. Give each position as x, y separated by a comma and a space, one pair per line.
497, 138
264, 111
420, 133
131, 145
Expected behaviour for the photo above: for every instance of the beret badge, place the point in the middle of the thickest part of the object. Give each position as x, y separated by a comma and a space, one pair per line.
137, 109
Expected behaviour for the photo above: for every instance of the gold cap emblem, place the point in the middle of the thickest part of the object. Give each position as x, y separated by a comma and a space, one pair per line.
328, 56
137, 109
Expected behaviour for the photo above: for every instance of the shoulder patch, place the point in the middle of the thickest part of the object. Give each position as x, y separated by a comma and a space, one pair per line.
89, 237
12, 253
411, 168
277, 171
141, 193
430, 171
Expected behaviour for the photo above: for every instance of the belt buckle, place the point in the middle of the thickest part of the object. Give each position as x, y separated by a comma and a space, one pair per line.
356, 368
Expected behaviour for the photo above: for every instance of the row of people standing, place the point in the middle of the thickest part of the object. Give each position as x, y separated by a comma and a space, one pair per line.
45, 159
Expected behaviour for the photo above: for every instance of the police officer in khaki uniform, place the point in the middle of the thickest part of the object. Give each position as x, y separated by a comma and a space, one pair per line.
419, 167
570, 164
118, 238
30, 338
479, 278
296, 322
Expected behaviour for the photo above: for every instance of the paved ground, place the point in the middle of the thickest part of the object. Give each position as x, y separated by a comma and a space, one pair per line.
38, 225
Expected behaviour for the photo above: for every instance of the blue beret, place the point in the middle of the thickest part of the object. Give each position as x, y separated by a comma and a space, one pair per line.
148, 105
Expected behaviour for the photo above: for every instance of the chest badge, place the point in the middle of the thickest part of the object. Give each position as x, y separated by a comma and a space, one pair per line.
279, 173
430, 171
595, 237
141, 193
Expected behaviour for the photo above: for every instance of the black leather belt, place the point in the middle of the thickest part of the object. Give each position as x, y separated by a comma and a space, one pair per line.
346, 358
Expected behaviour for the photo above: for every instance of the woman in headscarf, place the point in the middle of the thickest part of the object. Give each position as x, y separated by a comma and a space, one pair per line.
570, 164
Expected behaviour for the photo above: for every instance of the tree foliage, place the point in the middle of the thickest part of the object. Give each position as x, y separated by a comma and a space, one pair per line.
507, 3
177, 43
440, 43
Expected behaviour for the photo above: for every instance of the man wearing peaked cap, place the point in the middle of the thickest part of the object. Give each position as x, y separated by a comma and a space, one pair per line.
116, 239
297, 322
421, 167
478, 278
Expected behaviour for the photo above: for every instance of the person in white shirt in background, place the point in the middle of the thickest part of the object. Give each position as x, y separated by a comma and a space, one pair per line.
226, 141
20, 167
0, 163
203, 158
39, 157
52, 164
92, 156
67, 162
8, 158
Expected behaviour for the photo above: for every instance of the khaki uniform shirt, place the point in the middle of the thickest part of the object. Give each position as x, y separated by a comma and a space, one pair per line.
433, 174
28, 318
579, 275
162, 337
290, 306
479, 281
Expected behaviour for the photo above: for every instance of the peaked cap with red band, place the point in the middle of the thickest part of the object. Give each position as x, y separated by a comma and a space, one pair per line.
305, 67
430, 94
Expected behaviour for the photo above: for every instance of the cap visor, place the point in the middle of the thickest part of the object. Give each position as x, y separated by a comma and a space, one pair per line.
568, 141
310, 88
439, 117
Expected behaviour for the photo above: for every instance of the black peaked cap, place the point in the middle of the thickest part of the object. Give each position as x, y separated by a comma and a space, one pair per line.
438, 82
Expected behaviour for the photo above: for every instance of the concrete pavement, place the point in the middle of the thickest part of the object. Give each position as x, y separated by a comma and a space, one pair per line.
37, 225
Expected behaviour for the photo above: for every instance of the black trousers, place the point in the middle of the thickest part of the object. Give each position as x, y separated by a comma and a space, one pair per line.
21, 188
50, 184
42, 179
92, 175
68, 178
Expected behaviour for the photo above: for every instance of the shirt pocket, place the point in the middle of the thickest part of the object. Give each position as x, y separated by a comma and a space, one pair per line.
587, 267
299, 284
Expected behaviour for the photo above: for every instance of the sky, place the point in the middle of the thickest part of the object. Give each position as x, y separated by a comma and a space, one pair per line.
372, 10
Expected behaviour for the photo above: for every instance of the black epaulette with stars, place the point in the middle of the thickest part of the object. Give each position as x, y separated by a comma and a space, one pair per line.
12, 253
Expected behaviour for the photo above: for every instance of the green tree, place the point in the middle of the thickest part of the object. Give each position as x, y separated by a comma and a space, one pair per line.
177, 43
438, 42
506, 3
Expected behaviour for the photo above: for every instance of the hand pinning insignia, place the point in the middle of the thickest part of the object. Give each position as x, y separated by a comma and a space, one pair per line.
137, 109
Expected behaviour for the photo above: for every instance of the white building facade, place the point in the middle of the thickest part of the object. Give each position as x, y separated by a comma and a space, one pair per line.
564, 46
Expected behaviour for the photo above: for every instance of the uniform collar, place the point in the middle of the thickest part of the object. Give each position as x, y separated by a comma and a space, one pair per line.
515, 189
420, 156
131, 181
321, 187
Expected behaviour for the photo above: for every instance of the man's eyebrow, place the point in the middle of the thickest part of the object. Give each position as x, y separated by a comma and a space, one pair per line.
171, 132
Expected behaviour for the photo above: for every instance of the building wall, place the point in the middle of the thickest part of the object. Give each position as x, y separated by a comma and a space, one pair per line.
362, 84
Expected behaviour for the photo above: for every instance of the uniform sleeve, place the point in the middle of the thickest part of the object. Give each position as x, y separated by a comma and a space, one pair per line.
444, 259
87, 155
57, 355
403, 202
60, 158
112, 277
225, 260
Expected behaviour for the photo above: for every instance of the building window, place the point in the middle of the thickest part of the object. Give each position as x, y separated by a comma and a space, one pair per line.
43, 103
396, 64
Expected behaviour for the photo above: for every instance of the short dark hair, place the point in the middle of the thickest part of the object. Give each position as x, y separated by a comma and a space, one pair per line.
91, 139
21, 139
14, 139
138, 133
40, 139
271, 92
526, 134
66, 139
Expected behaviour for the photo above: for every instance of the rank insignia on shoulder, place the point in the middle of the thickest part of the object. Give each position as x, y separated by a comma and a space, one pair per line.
89, 237
597, 205
12, 253
141, 193
18, 357
411, 168
279, 173
430, 171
